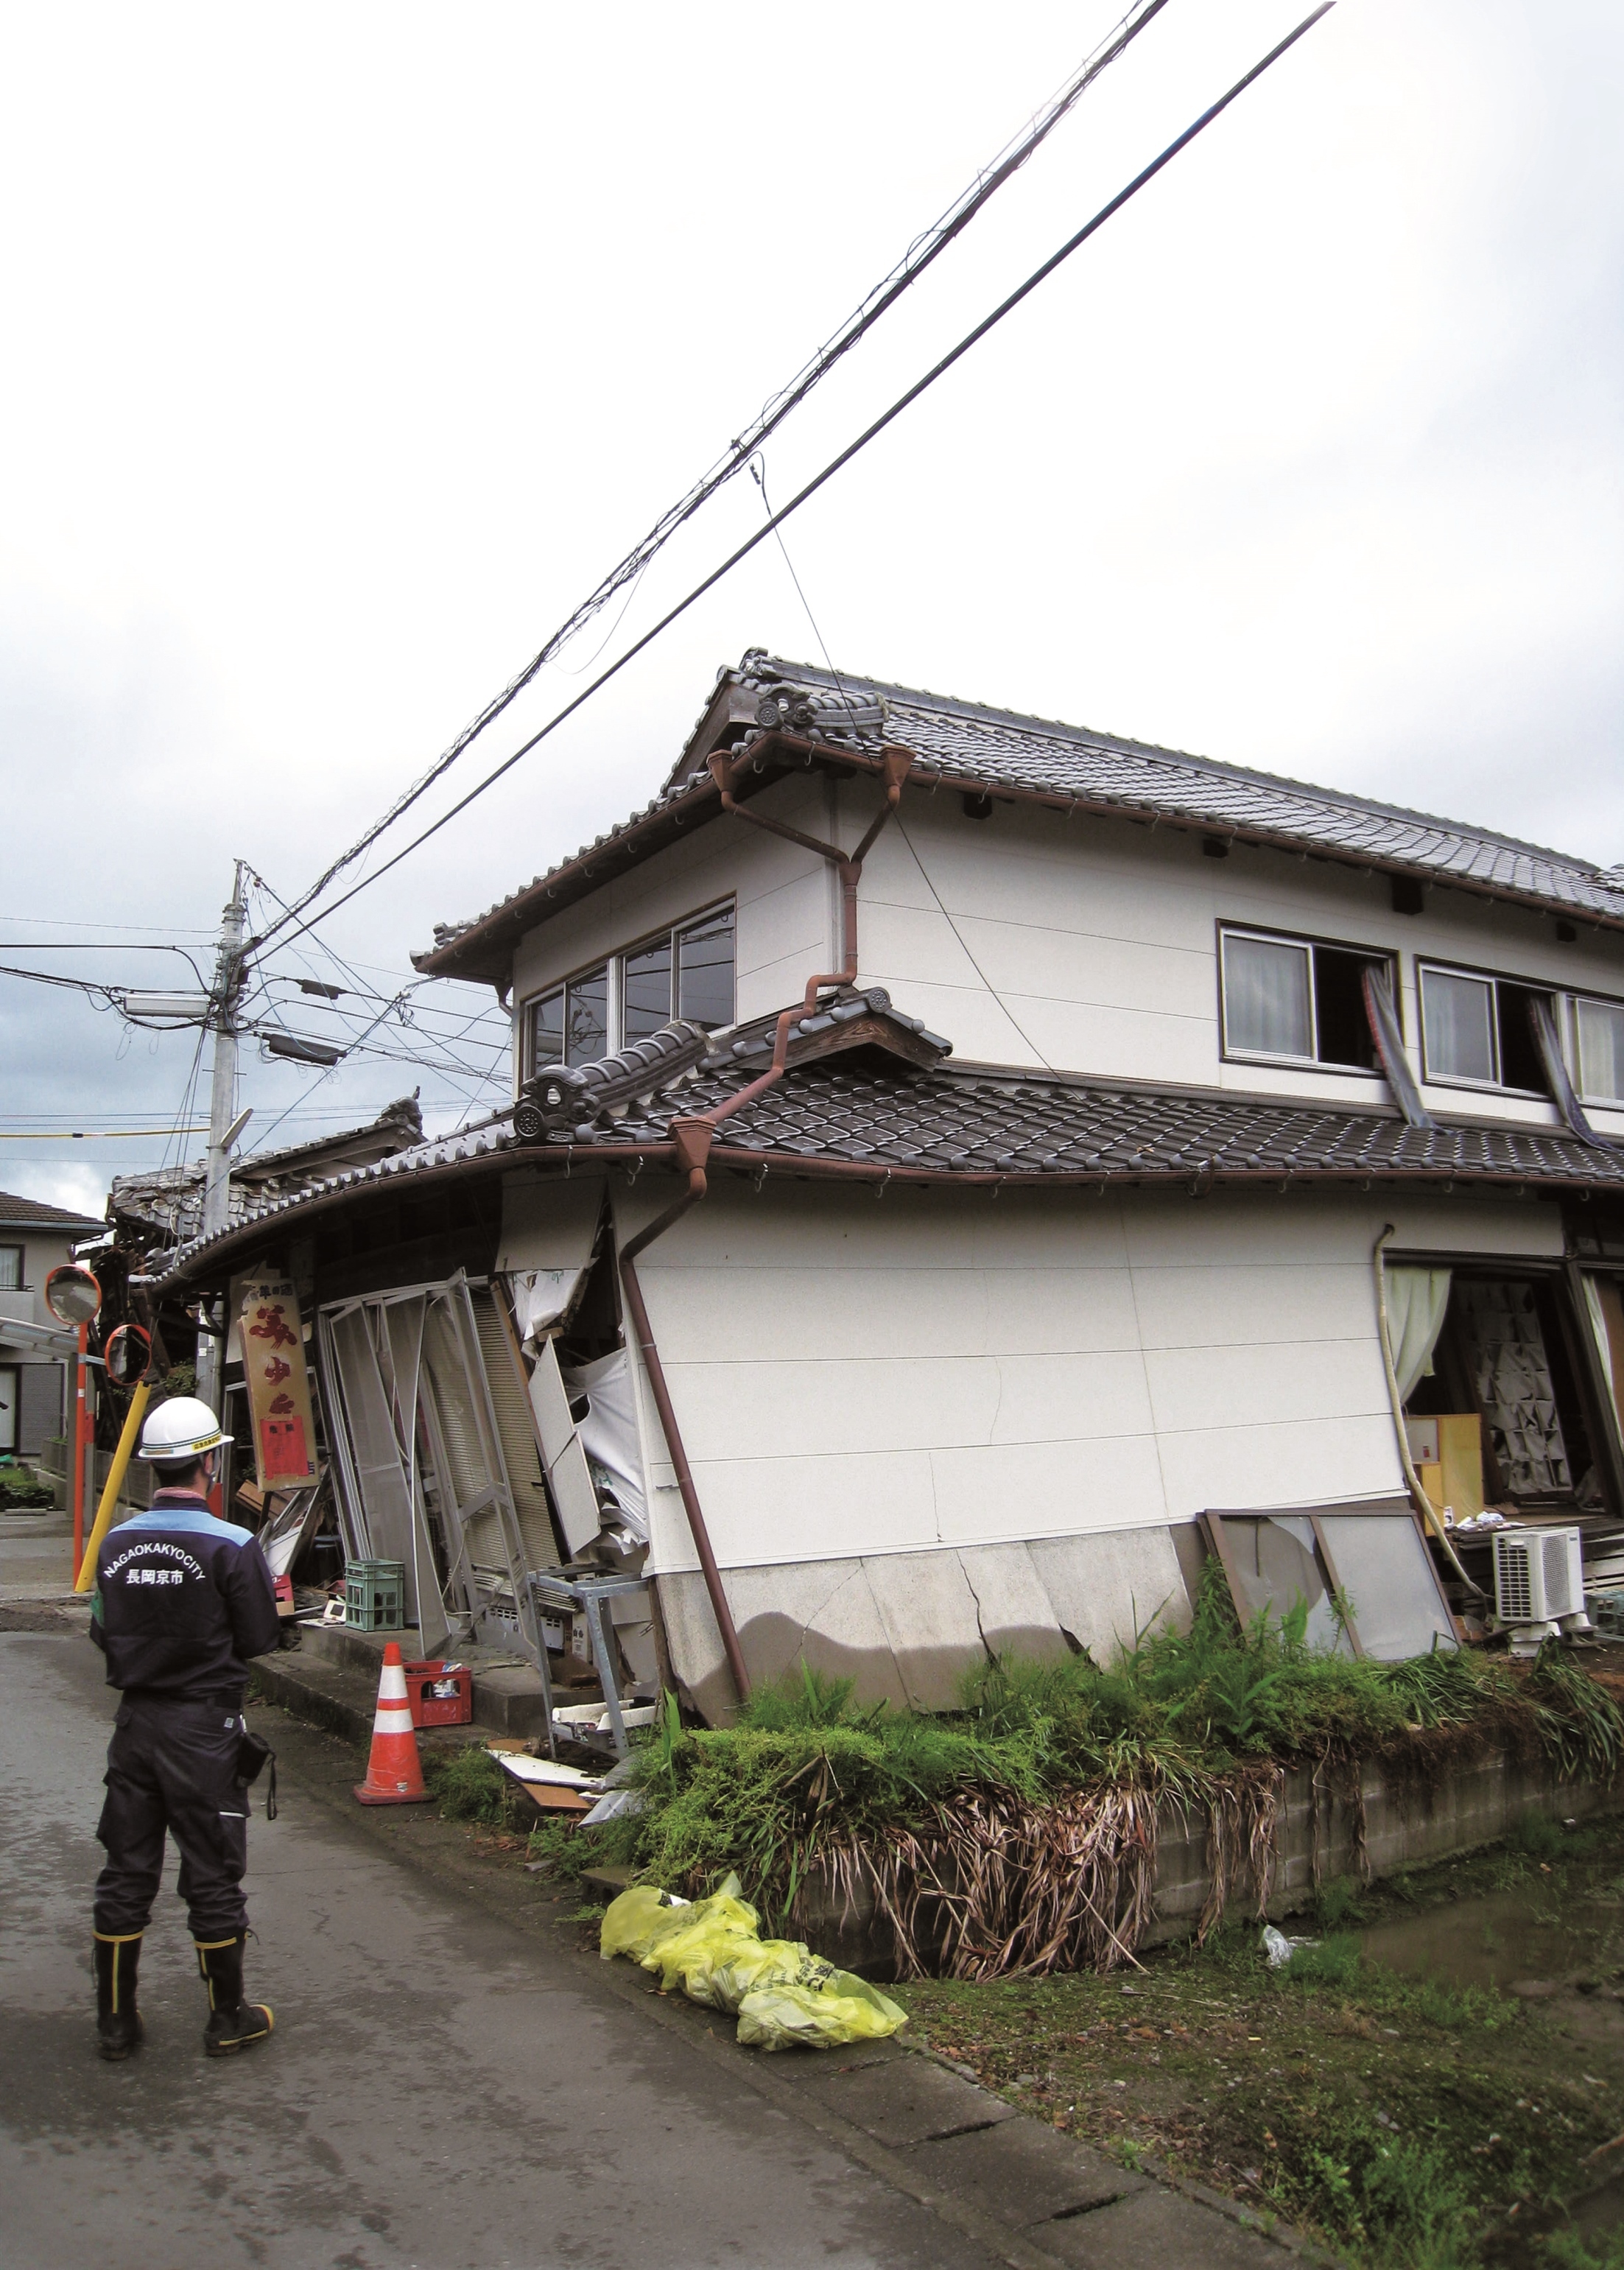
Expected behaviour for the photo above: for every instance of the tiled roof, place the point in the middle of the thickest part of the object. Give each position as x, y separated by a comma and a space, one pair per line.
974, 747
33, 1213
967, 741
166, 1202
959, 1122
860, 1110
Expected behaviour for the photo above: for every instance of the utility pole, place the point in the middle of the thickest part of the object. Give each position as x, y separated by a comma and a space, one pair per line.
222, 1110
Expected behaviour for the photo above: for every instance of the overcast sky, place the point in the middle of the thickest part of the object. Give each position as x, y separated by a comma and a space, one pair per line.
349, 346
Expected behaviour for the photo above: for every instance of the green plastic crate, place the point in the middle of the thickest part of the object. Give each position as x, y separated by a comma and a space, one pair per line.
374, 1595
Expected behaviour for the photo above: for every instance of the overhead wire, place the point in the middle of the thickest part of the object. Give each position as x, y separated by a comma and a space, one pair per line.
835, 465
921, 254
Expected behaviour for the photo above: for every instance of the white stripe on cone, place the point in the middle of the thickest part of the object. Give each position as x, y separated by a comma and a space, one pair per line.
392, 1685
392, 1718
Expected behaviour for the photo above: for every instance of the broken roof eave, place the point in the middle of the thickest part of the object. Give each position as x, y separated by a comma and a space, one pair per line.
223, 1252
485, 949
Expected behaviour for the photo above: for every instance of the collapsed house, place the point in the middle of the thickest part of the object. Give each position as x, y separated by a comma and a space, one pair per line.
962, 1169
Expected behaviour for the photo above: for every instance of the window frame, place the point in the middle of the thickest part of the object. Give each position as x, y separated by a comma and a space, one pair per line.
1561, 997
9, 1245
1311, 942
613, 964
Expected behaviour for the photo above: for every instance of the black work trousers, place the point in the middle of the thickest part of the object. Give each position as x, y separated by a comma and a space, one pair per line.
175, 1765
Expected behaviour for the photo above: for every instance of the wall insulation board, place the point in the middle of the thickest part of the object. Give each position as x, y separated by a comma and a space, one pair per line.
854, 1375
548, 1224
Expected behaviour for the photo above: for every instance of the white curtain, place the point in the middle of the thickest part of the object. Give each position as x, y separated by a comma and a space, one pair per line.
1416, 1301
1610, 1355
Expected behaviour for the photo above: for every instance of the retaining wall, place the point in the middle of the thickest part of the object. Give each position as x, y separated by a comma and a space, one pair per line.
1405, 1827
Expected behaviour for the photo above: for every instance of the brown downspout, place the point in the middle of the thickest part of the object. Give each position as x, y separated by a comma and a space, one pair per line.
897, 765
691, 1139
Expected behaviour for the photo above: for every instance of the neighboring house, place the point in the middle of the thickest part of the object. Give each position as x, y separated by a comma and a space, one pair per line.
162, 1208
1043, 1222
36, 1353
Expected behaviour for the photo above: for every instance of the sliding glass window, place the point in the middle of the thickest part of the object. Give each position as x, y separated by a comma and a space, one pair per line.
1598, 1033
685, 972
1477, 1030
1296, 1000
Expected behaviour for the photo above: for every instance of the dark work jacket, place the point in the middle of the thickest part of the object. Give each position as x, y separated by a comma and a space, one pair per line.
181, 1602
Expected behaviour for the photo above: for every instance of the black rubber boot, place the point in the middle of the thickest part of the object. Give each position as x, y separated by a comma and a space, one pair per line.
118, 2022
234, 2024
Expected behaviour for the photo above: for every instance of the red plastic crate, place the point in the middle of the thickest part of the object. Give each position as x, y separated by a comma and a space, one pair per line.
440, 1693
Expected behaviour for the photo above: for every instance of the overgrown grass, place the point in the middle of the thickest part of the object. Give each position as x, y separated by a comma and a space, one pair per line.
468, 1785
804, 1773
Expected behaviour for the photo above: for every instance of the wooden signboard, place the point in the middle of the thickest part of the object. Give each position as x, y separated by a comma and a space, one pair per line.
279, 1385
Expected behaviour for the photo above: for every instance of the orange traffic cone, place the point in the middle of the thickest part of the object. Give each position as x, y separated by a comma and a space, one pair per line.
394, 1775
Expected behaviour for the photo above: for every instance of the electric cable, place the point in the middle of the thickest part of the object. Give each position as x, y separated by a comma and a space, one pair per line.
835, 465
919, 256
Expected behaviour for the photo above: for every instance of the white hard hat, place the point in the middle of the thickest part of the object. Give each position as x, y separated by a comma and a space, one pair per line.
181, 1431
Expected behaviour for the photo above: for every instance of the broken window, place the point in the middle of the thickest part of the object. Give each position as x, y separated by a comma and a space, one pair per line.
1296, 1000
1363, 1573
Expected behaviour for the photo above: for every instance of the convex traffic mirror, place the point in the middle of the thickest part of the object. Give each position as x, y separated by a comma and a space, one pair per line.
72, 1294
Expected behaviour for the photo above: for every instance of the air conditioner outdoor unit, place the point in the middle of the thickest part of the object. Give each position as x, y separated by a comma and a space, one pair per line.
1539, 1584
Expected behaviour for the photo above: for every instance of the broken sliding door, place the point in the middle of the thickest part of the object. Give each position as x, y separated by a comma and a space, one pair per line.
423, 1475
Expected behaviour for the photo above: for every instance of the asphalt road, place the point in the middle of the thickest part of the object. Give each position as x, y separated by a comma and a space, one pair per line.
446, 2088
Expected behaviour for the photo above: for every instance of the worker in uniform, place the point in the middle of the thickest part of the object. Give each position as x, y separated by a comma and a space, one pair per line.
183, 1599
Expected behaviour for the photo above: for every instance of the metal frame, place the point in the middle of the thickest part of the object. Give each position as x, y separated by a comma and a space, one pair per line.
585, 1596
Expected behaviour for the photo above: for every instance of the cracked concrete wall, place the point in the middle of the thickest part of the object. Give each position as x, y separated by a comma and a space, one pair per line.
906, 1625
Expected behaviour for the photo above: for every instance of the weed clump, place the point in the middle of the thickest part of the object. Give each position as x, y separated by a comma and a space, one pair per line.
468, 1785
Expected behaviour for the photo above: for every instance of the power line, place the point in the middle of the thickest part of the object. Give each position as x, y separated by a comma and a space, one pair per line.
835, 465
920, 254
95, 1134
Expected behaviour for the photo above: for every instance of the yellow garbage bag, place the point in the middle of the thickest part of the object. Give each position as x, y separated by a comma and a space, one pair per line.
644, 1917
636, 1919
845, 2008
713, 1952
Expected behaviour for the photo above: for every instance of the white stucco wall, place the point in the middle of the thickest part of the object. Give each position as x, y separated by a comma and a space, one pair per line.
1090, 945
1085, 946
855, 1376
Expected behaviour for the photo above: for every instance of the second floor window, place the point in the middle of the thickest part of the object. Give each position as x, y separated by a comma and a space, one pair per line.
1296, 1000
11, 1268
685, 972
1476, 1030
